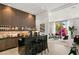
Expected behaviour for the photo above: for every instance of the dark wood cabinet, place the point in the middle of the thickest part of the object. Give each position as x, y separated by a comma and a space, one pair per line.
2, 45
8, 43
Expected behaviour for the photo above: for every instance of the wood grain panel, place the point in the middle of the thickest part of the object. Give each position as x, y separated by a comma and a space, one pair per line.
15, 17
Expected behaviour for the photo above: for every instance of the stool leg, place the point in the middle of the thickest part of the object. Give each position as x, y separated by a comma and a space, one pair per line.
42, 53
45, 51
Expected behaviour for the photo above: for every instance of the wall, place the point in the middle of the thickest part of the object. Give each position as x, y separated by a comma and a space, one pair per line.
40, 19
13, 17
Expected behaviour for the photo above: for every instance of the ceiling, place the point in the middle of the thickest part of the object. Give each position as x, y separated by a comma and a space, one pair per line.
36, 8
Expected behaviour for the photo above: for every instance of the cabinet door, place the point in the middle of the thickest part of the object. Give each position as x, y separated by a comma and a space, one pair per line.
14, 42
2, 44
8, 43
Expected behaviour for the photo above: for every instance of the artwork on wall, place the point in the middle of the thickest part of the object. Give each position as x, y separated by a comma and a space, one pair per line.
61, 28
42, 27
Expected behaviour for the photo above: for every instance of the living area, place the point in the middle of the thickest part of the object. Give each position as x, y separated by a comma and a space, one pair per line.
54, 25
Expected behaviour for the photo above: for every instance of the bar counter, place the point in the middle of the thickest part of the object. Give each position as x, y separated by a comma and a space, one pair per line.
8, 43
9, 39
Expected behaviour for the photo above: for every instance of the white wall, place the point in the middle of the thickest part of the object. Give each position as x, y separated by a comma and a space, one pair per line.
51, 27
42, 18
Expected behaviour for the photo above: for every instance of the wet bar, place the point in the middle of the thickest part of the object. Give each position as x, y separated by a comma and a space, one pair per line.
18, 30
12, 23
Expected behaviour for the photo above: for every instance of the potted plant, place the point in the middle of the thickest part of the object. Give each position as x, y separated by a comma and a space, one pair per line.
71, 29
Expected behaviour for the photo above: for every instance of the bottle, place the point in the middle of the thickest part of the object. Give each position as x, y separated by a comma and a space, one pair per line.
22, 28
